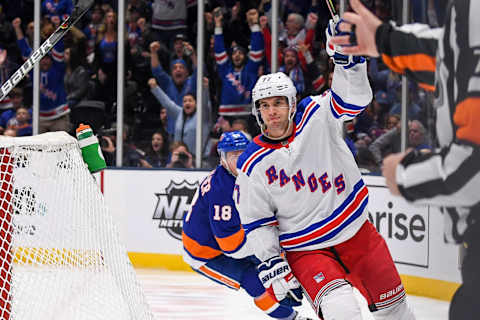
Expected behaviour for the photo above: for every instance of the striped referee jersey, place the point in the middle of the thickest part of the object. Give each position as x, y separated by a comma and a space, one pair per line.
445, 60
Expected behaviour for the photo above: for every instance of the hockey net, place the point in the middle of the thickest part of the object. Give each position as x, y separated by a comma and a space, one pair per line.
60, 252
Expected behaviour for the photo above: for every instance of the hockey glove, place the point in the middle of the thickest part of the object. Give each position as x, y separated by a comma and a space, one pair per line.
278, 279
347, 61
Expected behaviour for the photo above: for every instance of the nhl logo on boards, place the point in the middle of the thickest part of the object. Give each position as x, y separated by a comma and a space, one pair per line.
173, 205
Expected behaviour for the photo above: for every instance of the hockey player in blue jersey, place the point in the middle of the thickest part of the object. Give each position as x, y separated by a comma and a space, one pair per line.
213, 238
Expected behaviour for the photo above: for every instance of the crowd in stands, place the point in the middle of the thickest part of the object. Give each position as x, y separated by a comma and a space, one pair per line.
78, 78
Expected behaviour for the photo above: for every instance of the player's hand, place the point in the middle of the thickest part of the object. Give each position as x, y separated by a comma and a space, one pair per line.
278, 279
335, 52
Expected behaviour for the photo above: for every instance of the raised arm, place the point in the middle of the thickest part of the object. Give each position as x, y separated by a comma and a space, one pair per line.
351, 92
162, 77
409, 49
255, 55
173, 110
221, 56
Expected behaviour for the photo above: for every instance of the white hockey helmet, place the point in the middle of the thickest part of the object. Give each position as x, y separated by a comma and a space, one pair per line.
273, 85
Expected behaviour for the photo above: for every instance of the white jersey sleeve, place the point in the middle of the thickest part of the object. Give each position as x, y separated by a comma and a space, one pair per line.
351, 91
257, 215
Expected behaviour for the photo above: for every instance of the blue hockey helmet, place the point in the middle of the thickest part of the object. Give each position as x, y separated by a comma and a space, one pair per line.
229, 142
232, 141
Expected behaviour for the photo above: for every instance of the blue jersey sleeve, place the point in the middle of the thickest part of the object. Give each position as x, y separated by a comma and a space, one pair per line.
225, 221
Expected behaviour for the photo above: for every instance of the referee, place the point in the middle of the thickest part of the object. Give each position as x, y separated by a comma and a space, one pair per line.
445, 60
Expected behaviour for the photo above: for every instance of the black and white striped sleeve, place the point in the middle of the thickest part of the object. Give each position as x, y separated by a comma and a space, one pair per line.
450, 177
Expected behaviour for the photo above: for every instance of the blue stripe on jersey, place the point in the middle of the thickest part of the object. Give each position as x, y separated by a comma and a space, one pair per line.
302, 105
335, 213
310, 110
257, 159
251, 149
340, 108
259, 223
251, 156
351, 107
332, 234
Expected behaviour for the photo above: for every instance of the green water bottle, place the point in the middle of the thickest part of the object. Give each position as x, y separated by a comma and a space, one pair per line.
91, 152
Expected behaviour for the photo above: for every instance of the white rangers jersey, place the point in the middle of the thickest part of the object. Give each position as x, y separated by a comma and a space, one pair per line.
307, 192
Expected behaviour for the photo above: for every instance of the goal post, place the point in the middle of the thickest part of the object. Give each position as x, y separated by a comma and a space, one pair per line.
60, 252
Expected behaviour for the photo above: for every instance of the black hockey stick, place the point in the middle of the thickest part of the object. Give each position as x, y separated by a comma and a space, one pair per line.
80, 9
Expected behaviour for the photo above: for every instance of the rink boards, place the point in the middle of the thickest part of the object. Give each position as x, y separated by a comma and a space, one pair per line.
148, 206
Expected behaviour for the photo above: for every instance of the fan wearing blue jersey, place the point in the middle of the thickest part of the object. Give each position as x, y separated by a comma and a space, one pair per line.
214, 240
299, 190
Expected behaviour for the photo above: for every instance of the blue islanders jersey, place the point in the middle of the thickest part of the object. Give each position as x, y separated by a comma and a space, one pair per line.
212, 225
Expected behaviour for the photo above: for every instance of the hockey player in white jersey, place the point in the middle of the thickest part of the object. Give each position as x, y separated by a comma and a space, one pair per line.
300, 190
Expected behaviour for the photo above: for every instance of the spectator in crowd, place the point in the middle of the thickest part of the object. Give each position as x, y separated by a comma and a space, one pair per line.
363, 140
366, 161
417, 137
157, 153
180, 82
241, 125
393, 120
21, 123
238, 74
131, 154
185, 116
181, 51
16, 99
390, 142
164, 120
180, 156
7, 68
76, 80
387, 143
60, 8
106, 59
296, 30
299, 36
92, 32
291, 67
54, 110
169, 18
143, 7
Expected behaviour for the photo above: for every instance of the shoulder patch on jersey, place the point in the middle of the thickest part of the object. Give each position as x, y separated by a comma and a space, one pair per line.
251, 156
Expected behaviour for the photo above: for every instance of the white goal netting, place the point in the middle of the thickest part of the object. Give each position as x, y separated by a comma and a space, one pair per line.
60, 251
